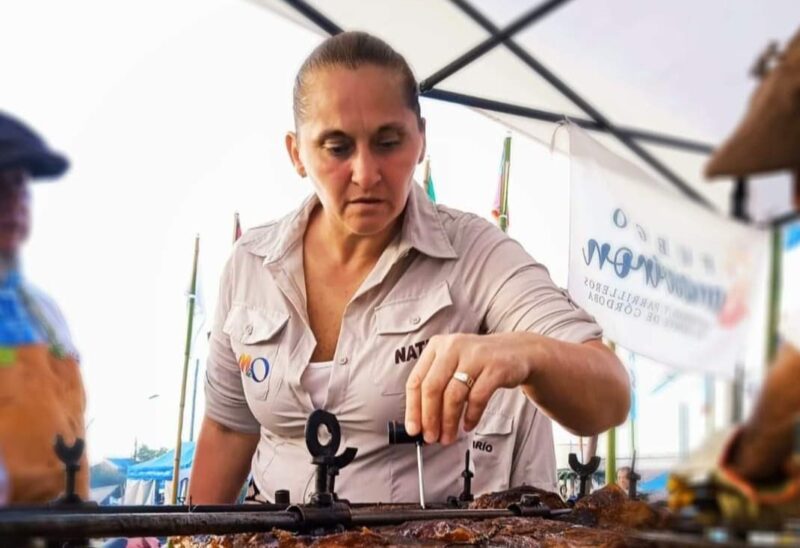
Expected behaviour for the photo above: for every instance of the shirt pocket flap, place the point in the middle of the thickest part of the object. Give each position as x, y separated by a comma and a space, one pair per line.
253, 325
495, 424
410, 314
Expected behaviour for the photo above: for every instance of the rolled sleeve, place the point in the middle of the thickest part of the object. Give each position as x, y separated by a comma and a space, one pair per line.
225, 399
518, 293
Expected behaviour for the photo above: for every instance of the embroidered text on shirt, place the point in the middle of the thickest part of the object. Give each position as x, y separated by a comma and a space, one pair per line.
411, 352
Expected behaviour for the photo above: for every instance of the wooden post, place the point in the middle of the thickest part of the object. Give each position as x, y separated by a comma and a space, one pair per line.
187, 353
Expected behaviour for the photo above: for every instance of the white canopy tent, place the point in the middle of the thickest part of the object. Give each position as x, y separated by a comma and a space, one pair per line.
671, 78
660, 83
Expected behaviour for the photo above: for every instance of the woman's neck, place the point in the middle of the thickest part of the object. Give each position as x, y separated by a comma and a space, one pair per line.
347, 248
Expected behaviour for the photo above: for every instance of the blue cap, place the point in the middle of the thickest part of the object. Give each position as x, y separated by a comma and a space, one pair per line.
20, 147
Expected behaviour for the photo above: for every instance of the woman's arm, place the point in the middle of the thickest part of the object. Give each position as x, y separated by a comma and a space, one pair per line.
221, 463
582, 386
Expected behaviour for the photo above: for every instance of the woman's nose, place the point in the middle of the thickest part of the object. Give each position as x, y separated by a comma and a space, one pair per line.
366, 169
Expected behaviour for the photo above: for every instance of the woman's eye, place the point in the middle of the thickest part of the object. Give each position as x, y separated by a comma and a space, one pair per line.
337, 149
388, 143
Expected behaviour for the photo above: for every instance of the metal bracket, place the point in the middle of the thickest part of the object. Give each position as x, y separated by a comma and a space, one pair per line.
70, 455
324, 455
584, 471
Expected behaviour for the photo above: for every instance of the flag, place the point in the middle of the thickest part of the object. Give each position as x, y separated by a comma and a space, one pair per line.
428, 180
237, 227
500, 210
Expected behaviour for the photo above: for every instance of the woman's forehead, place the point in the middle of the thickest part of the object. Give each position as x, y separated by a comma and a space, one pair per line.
363, 99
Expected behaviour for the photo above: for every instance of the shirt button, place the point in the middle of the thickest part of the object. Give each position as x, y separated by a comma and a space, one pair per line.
415, 320
342, 360
249, 329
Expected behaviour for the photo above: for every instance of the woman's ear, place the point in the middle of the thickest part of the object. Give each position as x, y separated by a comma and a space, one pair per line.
294, 153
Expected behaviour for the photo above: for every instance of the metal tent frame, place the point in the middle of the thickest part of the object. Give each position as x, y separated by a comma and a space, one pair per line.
595, 121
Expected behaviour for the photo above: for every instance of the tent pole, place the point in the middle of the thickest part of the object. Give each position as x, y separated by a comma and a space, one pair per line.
186, 355
554, 117
490, 43
315, 16
194, 398
611, 442
739, 203
773, 311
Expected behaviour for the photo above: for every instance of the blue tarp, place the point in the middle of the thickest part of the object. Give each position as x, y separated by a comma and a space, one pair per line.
121, 462
160, 468
654, 484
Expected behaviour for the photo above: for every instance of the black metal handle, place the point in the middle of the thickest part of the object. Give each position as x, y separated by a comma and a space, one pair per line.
398, 434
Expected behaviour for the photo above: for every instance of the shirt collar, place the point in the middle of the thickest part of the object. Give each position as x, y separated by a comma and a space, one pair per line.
422, 230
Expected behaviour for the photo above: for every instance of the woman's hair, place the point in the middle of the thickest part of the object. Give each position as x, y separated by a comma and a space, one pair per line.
352, 50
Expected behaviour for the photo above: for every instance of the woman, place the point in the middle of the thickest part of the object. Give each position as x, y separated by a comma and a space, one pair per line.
367, 301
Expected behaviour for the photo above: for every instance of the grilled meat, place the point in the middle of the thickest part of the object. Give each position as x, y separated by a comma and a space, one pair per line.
502, 499
610, 507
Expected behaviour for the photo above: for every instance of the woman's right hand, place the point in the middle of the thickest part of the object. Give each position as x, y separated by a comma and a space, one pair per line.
221, 464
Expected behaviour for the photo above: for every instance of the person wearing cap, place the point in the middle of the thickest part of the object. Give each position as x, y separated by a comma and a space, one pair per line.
768, 140
376, 304
41, 392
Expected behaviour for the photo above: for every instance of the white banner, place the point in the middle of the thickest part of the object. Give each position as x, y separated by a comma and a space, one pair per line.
664, 277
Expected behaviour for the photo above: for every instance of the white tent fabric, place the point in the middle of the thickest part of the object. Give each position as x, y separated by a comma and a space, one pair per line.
139, 492
145, 491
678, 68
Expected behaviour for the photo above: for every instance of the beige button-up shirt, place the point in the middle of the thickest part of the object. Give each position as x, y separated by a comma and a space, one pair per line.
446, 272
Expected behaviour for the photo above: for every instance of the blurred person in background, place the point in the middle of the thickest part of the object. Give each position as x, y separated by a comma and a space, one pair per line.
768, 140
624, 478
41, 392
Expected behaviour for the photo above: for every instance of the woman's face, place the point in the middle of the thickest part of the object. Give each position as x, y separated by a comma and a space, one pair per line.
359, 143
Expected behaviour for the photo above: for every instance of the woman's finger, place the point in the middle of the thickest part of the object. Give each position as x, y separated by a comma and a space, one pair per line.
478, 398
455, 397
433, 386
414, 389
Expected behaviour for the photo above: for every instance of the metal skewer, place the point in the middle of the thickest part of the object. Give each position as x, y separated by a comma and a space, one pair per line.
419, 474
398, 434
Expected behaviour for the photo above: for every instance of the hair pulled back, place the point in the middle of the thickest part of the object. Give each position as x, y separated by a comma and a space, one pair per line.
352, 50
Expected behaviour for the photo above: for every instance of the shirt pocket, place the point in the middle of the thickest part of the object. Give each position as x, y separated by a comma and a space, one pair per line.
256, 336
492, 448
405, 327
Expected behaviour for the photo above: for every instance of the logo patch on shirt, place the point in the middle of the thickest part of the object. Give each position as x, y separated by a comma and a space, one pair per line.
405, 354
256, 369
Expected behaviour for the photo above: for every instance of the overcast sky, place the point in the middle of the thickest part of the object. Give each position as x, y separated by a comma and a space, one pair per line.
173, 114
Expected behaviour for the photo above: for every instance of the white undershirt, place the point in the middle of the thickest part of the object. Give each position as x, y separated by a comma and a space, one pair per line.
315, 381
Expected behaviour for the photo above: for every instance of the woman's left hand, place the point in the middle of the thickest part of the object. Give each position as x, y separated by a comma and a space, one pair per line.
435, 400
